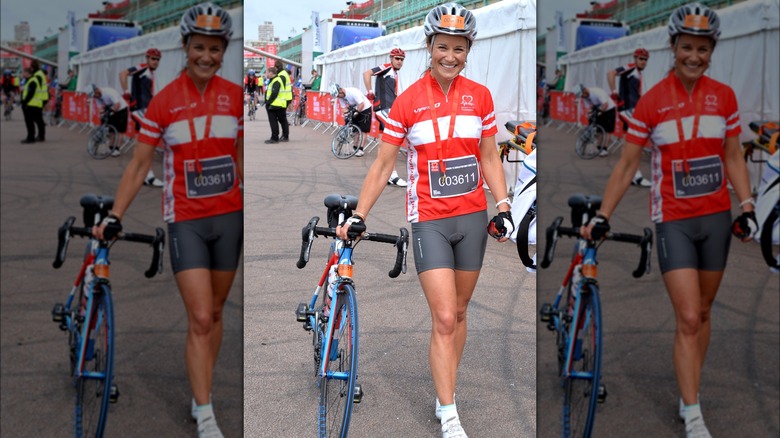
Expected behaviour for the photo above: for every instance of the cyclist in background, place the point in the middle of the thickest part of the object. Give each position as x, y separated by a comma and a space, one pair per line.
689, 202
250, 87
349, 96
386, 92
630, 90
205, 221
109, 98
446, 203
142, 88
597, 99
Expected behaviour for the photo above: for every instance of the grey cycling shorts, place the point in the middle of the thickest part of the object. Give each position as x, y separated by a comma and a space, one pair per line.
455, 242
212, 243
700, 242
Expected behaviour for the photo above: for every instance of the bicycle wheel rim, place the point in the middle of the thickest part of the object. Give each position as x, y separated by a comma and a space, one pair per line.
581, 393
337, 395
587, 143
342, 145
99, 146
93, 391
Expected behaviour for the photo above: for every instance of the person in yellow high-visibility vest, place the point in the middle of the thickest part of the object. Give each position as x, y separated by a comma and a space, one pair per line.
34, 96
286, 91
276, 105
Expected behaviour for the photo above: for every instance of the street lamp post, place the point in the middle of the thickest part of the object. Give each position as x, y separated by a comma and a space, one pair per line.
381, 11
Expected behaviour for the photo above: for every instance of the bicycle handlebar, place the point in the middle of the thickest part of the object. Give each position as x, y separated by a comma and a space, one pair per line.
401, 242
645, 243
157, 242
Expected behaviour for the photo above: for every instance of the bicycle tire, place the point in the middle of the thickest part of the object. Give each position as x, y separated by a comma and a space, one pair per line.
337, 392
581, 390
93, 391
346, 141
100, 144
589, 141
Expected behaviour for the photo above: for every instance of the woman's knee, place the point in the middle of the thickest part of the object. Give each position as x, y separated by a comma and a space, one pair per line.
444, 323
689, 322
201, 322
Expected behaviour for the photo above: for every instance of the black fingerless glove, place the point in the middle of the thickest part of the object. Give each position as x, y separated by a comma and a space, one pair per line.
501, 225
745, 225
600, 226
113, 226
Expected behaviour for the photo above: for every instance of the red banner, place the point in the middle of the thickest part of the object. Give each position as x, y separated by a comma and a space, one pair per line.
319, 106
270, 48
74, 106
562, 106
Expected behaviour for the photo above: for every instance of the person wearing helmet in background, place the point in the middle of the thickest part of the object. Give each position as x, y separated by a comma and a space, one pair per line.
350, 96
597, 99
446, 202
689, 202
250, 87
139, 94
386, 91
198, 120
630, 90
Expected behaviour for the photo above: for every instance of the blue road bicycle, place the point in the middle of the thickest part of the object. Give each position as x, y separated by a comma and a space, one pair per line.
88, 314
334, 320
575, 315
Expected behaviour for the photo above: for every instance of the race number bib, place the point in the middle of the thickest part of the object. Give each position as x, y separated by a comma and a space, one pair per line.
706, 176
461, 177
218, 176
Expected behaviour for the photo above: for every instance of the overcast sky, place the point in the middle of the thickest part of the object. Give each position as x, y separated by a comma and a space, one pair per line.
289, 14
45, 16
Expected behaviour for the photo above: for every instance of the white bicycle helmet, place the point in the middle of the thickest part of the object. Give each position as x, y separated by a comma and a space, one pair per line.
694, 19
451, 19
206, 19
580, 90
334, 90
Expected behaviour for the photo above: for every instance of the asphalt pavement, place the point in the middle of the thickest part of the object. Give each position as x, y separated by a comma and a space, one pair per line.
740, 386
41, 185
285, 186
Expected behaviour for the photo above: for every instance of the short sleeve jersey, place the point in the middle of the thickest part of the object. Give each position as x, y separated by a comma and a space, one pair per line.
353, 96
386, 86
170, 119
110, 97
428, 197
712, 107
630, 85
598, 97
141, 85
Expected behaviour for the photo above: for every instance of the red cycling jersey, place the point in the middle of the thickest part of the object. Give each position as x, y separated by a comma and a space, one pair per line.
688, 175
433, 194
200, 176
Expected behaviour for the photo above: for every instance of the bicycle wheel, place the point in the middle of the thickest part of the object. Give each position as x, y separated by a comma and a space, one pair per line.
589, 142
101, 141
252, 111
93, 387
346, 142
337, 388
581, 387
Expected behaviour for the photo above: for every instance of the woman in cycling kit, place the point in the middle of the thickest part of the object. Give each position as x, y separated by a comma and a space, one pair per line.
692, 124
445, 200
198, 120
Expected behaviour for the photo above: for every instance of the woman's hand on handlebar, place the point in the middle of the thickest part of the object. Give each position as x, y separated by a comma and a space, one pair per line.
343, 228
596, 229
108, 228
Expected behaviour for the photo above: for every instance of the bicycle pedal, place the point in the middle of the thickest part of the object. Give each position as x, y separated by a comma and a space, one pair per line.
602, 394
302, 312
113, 394
546, 312
58, 313
358, 393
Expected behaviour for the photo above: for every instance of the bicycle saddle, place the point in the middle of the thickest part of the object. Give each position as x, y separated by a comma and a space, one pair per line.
95, 205
336, 204
583, 207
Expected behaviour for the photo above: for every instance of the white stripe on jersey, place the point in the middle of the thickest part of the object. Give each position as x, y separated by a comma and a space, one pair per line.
221, 127
465, 127
713, 127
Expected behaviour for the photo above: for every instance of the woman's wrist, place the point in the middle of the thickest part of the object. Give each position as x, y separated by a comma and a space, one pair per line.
747, 204
360, 215
506, 201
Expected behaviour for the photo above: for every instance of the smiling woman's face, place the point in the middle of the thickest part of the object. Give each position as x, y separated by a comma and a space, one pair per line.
692, 55
204, 57
448, 56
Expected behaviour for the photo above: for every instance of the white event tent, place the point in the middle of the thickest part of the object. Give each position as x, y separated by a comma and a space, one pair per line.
745, 58
101, 66
503, 58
